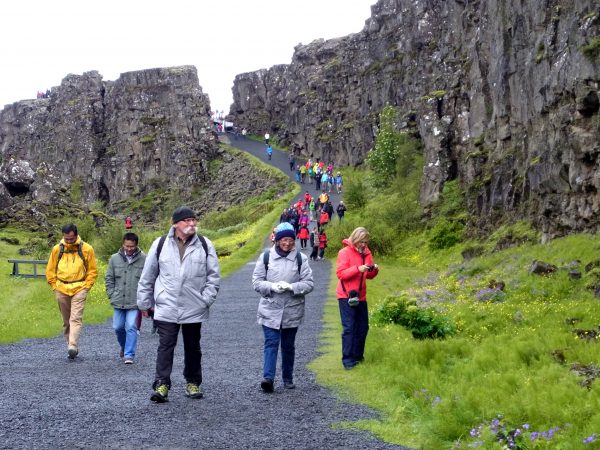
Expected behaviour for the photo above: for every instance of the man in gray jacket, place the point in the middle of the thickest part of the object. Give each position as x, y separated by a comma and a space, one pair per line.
180, 280
121, 280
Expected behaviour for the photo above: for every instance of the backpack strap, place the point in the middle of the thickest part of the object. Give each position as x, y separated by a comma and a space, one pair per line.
266, 261
80, 252
204, 244
161, 243
62, 251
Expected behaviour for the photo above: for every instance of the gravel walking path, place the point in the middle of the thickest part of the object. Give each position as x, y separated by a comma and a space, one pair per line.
96, 401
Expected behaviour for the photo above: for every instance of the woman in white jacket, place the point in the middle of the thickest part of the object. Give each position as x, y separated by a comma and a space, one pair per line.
282, 277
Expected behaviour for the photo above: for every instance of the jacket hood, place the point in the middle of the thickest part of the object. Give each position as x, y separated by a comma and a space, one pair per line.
347, 243
74, 244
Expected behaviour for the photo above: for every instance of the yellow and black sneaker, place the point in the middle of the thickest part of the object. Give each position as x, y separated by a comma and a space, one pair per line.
161, 394
192, 390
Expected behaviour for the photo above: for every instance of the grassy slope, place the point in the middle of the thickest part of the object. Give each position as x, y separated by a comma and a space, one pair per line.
502, 364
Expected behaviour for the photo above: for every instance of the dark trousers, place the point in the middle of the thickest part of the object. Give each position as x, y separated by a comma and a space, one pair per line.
192, 360
314, 253
355, 324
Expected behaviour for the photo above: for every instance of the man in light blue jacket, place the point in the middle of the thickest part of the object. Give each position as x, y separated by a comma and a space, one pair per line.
180, 281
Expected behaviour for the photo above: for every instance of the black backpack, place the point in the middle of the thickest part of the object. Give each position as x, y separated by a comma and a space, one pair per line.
79, 251
266, 261
161, 242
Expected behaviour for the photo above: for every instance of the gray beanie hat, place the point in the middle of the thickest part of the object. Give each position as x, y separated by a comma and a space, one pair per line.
182, 213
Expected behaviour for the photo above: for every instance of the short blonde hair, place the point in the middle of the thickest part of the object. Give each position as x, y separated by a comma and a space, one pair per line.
358, 235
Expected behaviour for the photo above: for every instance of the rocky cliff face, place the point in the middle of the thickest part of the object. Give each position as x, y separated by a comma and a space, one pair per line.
113, 139
504, 95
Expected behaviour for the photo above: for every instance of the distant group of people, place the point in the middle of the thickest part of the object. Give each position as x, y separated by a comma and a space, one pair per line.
41, 94
318, 172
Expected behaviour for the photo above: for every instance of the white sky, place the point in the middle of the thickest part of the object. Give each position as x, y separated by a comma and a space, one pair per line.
43, 41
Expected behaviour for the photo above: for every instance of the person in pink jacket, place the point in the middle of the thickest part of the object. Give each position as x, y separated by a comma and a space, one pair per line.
354, 266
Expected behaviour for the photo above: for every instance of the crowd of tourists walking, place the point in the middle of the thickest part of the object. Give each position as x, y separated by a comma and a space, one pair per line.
177, 282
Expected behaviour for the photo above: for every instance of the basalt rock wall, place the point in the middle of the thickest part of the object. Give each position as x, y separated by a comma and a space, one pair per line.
503, 94
108, 141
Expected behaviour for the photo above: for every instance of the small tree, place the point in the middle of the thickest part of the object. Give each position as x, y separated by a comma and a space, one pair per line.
382, 158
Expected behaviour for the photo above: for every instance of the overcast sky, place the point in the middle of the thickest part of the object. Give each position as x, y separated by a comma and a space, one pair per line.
41, 41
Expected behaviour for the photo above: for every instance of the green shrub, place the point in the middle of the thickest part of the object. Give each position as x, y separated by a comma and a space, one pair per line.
446, 234
423, 323
592, 50
394, 151
355, 196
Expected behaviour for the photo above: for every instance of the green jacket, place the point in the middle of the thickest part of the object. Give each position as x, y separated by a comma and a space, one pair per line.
122, 278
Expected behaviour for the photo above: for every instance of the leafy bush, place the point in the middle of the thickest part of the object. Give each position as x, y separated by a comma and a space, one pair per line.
422, 322
446, 234
394, 152
355, 195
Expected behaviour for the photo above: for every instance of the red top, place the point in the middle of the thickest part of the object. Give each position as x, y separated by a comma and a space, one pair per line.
322, 240
348, 260
324, 218
128, 223
303, 233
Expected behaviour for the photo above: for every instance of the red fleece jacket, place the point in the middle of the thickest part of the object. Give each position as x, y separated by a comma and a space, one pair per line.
348, 274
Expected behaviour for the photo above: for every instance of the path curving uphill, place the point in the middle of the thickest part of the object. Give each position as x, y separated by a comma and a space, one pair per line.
97, 402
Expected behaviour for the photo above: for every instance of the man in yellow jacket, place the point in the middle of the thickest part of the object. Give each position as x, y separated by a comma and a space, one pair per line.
71, 271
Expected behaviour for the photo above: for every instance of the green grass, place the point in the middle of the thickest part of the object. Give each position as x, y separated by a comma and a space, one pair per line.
502, 362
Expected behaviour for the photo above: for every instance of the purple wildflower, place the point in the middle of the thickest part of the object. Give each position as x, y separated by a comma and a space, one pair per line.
526, 426
534, 435
590, 439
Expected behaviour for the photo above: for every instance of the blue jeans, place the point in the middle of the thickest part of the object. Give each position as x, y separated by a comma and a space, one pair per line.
127, 332
355, 324
287, 338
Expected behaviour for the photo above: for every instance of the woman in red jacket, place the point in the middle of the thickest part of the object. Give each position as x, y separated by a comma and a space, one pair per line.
354, 266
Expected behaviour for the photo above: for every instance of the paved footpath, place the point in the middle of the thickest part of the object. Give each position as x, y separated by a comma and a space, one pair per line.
97, 402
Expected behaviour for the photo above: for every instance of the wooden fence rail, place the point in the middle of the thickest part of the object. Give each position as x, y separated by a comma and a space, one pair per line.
16, 271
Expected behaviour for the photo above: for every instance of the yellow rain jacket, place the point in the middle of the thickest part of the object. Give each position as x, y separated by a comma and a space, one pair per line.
70, 275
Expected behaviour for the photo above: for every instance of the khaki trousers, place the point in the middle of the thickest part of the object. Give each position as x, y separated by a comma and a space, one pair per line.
71, 308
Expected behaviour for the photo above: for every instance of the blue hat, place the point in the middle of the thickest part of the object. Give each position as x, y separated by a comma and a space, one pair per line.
284, 229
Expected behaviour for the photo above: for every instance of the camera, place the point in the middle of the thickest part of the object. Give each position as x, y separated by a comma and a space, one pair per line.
353, 298
370, 267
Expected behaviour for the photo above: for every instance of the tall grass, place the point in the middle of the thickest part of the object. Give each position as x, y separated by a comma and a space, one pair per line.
510, 361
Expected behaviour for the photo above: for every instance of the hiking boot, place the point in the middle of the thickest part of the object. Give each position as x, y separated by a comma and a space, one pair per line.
192, 390
72, 351
289, 385
128, 361
121, 353
267, 385
160, 394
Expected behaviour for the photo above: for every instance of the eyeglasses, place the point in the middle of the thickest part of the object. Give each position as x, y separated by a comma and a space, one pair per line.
190, 220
